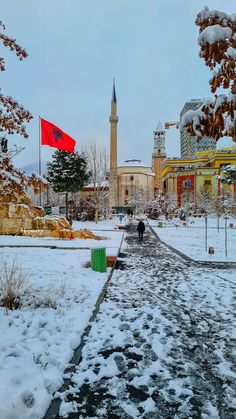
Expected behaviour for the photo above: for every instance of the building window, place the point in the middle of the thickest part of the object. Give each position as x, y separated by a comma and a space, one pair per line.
207, 182
224, 164
187, 183
126, 192
131, 178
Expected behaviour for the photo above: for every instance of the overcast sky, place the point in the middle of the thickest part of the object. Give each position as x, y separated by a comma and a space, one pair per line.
75, 49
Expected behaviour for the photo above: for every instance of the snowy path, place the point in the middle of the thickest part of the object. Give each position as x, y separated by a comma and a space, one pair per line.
163, 344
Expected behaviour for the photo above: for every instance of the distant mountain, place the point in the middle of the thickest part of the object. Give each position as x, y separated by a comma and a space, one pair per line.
34, 167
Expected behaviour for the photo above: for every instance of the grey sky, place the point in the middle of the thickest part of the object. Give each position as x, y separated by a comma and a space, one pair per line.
75, 49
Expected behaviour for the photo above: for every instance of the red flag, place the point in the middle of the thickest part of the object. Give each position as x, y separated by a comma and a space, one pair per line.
55, 137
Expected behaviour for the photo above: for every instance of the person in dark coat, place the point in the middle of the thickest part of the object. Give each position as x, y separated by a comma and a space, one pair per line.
141, 229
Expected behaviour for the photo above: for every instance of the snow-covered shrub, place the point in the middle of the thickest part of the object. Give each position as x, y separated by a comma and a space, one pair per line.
49, 296
50, 299
13, 282
169, 204
186, 209
155, 206
138, 201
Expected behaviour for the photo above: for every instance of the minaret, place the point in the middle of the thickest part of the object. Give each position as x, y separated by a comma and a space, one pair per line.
113, 151
159, 155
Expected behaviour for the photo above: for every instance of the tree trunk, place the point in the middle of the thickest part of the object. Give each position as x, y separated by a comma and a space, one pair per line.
96, 215
218, 224
67, 209
206, 233
226, 241
4, 145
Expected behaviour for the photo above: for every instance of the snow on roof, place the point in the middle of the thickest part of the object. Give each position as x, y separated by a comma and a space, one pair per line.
150, 174
102, 184
134, 162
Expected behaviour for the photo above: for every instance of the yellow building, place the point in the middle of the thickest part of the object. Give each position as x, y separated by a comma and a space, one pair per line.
188, 177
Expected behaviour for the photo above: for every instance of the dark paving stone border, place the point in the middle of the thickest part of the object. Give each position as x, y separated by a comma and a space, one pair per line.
46, 246
41, 246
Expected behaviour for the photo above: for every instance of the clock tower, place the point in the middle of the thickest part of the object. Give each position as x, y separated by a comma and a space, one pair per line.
158, 156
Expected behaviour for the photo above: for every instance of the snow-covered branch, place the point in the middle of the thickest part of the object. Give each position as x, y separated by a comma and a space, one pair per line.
97, 167
13, 180
216, 118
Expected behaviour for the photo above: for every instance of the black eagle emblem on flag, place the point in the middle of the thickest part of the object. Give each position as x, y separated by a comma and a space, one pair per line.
56, 134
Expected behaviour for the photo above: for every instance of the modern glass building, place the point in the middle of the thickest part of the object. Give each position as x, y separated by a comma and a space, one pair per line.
188, 144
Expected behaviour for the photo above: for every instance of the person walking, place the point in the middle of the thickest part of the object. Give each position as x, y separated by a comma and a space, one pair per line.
141, 229
121, 216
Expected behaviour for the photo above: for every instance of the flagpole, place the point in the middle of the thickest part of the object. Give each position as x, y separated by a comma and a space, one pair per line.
40, 171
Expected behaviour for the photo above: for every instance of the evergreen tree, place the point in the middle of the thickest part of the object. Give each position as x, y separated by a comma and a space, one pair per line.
67, 172
229, 174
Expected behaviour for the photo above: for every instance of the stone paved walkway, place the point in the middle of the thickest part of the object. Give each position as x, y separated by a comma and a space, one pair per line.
163, 344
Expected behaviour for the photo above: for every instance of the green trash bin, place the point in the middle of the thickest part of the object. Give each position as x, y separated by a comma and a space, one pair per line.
98, 259
160, 224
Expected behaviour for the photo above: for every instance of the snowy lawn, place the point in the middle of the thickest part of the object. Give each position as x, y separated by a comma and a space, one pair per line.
101, 225
37, 341
106, 229
190, 239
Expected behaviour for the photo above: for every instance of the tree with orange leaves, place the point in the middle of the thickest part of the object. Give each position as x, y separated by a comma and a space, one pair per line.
14, 181
216, 118
12, 119
12, 114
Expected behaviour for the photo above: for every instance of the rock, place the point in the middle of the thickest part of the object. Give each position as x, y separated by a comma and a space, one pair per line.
11, 226
13, 197
41, 233
18, 217
65, 234
36, 233
23, 211
38, 211
4, 210
51, 223
85, 234
27, 223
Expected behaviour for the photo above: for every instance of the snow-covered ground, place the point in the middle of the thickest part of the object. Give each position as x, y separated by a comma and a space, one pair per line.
103, 225
37, 341
190, 239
